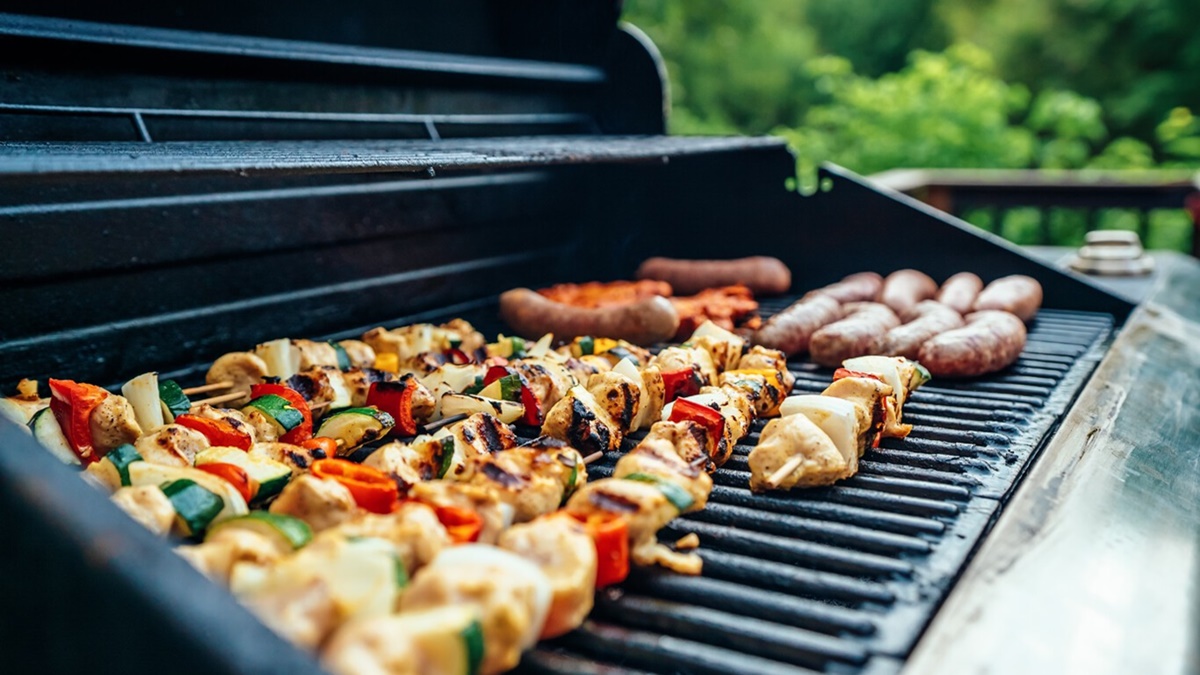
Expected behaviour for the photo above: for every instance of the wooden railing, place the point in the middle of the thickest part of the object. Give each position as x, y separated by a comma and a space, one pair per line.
968, 192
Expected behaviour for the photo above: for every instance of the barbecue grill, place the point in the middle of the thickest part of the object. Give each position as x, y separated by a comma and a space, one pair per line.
178, 183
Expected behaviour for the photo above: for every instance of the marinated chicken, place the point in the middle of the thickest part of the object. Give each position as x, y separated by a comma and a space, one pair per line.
646, 509
147, 505
561, 547
581, 421
792, 452
113, 424
656, 456
534, 480
171, 445
413, 529
320, 503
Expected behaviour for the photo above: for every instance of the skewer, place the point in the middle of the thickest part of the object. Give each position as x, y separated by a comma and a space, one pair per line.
592, 457
215, 386
788, 467
223, 398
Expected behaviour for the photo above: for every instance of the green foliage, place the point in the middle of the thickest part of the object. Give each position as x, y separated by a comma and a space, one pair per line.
875, 36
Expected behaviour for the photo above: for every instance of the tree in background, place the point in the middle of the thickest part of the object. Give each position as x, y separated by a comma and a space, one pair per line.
1138, 58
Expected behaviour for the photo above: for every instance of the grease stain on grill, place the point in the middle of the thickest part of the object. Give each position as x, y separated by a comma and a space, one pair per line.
840, 579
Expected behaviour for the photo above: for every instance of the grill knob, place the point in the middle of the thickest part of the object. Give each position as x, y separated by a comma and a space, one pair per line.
1112, 253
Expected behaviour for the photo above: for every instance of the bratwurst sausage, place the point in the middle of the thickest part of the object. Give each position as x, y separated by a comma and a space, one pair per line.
902, 290
1018, 294
644, 322
990, 341
790, 330
959, 292
931, 319
763, 274
859, 334
860, 287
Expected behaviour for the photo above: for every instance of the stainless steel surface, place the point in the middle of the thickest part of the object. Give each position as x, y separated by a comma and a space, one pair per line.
1094, 567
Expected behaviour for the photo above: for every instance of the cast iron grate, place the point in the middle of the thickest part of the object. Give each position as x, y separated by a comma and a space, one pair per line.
841, 579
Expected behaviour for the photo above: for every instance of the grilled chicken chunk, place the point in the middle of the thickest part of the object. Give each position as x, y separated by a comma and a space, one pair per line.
360, 353
654, 394
792, 452
407, 342
549, 381
872, 399
320, 503
724, 347
113, 424
619, 395
171, 445
315, 354
735, 408
512, 594
413, 530
657, 456
410, 463
228, 546
234, 418
147, 505
561, 547
581, 421
497, 515
298, 459
762, 358
586, 366
304, 615
242, 369
533, 480
317, 386
674, 359
426, 642
479, 435
690, 441
264, 427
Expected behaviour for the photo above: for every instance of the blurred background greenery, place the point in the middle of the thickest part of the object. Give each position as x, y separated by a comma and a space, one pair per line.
869, 85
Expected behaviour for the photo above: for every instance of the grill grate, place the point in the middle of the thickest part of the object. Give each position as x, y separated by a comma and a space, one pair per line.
844, 578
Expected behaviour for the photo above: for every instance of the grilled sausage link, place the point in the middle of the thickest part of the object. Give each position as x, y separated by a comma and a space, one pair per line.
862, 332
990, 341
791, 330
959, 292
1017, 294
932, 318
860, 287
532, 315
763, 274
902, 290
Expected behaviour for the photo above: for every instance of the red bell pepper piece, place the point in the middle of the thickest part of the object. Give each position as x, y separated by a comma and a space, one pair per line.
72, 404
304, 430
533, 416
218, 432
610, 535
373, 489
323, 443
689, 411
842, 373
463, 525
396, 399
457, 356
235, 476
682, 382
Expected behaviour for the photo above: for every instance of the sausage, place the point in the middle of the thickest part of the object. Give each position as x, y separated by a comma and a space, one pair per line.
644, 322
860, 287
990, 341
902, 290
789, 331
862, 332
932, 318
959, 292
1017, 294
763, 274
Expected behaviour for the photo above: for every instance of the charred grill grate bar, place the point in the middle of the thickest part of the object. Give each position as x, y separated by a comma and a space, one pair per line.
845, 578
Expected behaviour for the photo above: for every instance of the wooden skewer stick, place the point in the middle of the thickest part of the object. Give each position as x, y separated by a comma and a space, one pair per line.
215, 386
320, 406
434, 426
592, 457
223, 398
784, 471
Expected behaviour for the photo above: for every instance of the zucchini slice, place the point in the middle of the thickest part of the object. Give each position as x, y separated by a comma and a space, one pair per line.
355, 426
277, 409
147, 473
117, 462
343, 359
292, 532
172, 400
196, 507
678, 497
457, 404
271, 475
47, 432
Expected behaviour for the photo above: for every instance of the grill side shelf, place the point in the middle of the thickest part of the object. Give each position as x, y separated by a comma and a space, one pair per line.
845, 578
